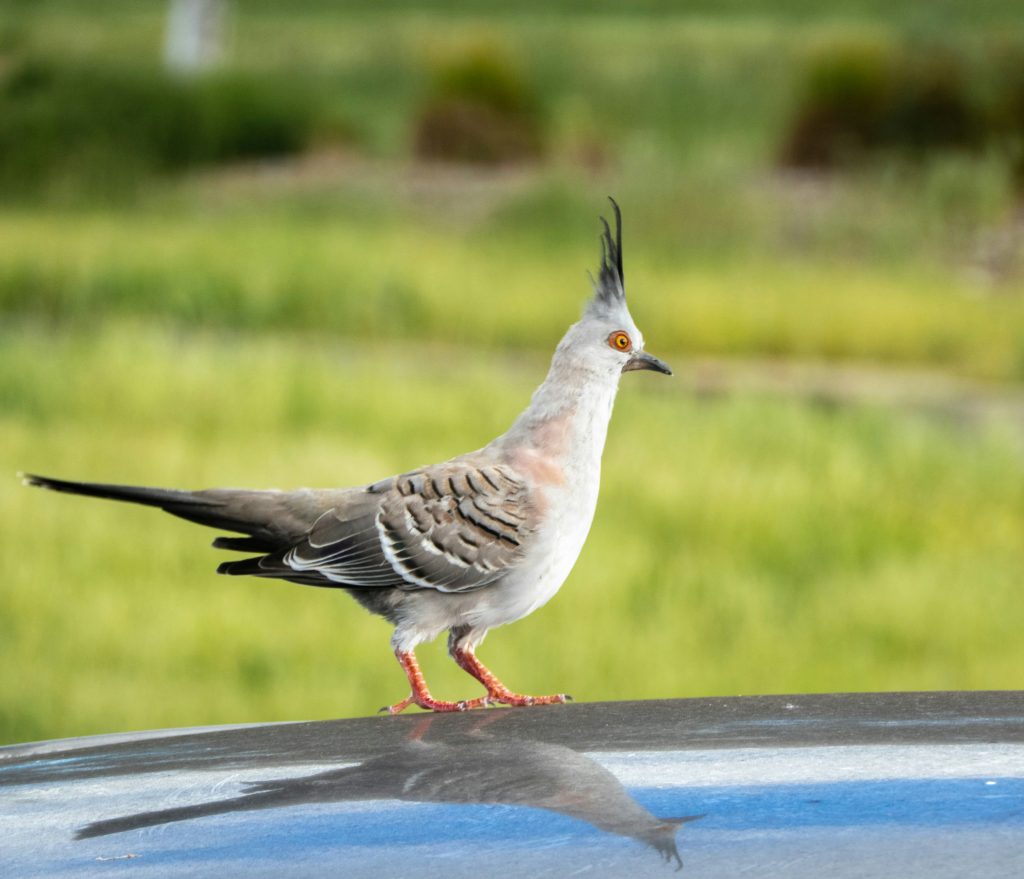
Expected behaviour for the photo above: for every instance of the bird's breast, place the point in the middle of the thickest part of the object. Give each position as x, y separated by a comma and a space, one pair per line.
547, 561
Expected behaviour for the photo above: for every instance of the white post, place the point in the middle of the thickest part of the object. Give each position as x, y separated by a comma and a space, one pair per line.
195, 30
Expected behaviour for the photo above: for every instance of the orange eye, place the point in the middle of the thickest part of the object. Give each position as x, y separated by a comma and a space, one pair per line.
620, 341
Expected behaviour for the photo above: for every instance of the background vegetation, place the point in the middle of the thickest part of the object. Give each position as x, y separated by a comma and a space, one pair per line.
274, 276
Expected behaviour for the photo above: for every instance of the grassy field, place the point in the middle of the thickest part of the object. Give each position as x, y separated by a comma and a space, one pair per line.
488, 281
299, 323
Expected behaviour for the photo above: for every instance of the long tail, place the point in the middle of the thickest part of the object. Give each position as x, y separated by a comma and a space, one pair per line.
173, 500
272, 519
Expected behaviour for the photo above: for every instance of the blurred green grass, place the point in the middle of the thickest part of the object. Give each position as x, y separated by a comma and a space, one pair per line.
298, 324
775, 284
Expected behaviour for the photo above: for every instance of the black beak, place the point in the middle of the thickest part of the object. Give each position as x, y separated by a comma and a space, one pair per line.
643, 360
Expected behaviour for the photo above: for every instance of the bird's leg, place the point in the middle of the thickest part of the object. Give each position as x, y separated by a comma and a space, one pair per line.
420, 695
496, 690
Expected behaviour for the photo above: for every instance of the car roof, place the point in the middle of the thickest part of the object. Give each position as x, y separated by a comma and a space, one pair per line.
908, 784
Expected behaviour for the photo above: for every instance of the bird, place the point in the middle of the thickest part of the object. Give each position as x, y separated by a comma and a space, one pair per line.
464, 546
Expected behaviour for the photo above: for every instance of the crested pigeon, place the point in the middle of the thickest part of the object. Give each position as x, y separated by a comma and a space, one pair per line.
463, 546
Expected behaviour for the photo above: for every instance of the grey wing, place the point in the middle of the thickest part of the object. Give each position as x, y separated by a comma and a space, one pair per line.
452, 527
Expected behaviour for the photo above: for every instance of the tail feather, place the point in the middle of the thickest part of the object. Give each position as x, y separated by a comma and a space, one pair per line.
271, 519
242, 567
244, 544
272, 567
153, 497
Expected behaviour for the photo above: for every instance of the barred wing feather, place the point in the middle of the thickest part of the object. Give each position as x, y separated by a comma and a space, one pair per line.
453, 527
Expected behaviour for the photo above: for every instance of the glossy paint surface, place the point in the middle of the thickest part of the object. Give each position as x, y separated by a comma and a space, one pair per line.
844, 785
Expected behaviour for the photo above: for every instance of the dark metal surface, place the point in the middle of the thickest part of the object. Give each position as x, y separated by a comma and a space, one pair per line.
928, 784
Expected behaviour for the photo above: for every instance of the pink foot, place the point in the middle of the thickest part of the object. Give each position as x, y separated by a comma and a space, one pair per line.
497, 692
429, 703
420, 695
518, 700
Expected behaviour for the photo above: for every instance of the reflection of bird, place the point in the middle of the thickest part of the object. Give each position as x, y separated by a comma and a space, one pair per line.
478, 541
467, 769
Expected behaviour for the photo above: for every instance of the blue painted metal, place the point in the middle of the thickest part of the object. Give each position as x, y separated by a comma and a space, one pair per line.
859, 785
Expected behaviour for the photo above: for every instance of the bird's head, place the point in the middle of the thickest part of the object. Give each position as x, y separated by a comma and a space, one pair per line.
607, 334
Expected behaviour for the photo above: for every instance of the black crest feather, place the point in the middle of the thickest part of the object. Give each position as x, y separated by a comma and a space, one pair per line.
610, 287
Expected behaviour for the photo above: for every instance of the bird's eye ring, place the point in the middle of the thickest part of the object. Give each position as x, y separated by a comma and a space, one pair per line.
620, 341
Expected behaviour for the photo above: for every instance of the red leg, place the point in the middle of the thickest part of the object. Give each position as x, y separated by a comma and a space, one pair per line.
420, 695
496, 690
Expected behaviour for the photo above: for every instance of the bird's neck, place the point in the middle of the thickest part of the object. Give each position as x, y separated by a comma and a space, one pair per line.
565, 426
